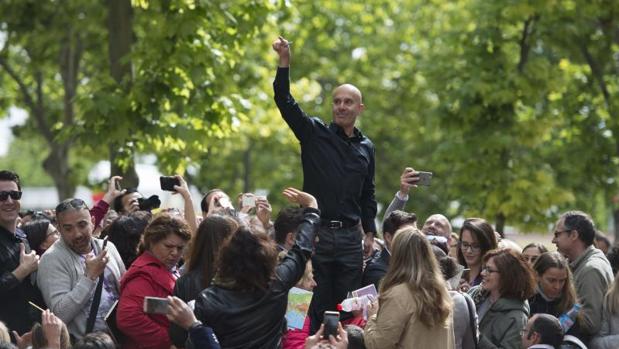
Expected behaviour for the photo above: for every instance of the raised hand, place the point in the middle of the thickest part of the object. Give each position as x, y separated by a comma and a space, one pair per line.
282, 47
24, 341
408, 179
300, 197
28, 262
96, 265
263, 210
113, 190
182, 189
52, 328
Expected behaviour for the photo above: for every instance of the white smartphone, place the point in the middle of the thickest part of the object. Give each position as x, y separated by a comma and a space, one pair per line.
249, 200
156, 305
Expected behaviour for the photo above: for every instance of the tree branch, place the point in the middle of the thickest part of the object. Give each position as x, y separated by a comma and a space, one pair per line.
20, 83
525, 45
39, 111
597, 73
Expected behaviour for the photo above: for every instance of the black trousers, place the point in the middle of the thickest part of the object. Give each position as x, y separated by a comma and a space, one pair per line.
338, 268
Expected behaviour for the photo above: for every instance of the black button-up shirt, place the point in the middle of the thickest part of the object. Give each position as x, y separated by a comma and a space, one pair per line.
338, 170
15, 311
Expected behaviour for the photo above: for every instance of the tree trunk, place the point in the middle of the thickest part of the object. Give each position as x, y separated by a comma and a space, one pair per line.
247, 169
57, 166
120, 29
128, 173
500, 224
616, 223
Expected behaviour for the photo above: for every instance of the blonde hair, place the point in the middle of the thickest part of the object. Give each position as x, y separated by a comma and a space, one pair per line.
4, 333
611, 301
413, 264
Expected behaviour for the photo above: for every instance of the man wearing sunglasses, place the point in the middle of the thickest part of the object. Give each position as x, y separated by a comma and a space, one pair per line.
17, 261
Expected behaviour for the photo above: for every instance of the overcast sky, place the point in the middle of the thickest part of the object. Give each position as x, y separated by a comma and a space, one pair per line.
15, 117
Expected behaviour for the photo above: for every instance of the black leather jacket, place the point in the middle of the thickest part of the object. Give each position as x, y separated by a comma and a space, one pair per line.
187, 288
256, 319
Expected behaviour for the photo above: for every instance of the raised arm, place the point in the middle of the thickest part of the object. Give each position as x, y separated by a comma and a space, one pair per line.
294, 116
190, 213
291, 269
408, 179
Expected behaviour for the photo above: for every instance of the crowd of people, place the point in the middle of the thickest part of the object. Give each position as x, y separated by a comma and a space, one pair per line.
128, 274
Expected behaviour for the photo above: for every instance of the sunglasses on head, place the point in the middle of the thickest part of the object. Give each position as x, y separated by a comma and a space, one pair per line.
14, 194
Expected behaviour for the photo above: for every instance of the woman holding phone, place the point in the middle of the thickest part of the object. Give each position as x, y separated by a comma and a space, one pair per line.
414, 309
154, 274
476, 239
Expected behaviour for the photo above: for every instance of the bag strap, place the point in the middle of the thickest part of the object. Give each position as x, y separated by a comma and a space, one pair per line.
94, 307
472, 322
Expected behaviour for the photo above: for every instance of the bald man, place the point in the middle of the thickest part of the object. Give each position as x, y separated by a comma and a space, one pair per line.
338, 169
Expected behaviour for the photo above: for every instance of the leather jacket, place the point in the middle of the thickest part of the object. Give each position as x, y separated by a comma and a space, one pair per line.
256, 318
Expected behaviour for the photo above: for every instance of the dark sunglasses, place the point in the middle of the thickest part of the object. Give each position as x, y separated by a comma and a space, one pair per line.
14, 194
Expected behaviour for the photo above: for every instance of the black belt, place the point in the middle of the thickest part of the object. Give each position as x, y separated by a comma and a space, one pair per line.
335, 224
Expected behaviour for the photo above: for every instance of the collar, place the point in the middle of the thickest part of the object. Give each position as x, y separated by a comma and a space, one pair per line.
541, 346
357, 136
584, 256
147, 258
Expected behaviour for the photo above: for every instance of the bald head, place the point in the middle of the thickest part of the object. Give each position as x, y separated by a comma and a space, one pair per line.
346, 107
349, 88
437, 224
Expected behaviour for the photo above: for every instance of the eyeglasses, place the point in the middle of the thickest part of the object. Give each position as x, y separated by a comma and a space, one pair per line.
466, 246
557, 233
488, 270
14, 194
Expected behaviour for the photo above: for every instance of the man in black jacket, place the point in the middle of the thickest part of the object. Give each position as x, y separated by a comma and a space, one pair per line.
17, 261
377, 266
338, 169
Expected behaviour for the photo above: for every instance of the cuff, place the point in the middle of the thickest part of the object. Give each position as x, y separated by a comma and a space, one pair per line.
400, 197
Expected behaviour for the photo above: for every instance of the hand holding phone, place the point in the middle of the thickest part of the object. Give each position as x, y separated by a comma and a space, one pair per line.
168, 182
424, 178
331, 319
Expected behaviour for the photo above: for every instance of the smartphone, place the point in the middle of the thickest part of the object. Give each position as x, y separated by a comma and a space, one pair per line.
249, 201
117, 185
331, 319
168, 182
424, 178
156, 305
465, 274
104, 242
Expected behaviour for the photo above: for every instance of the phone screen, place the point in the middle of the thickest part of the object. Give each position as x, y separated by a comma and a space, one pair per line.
330, 321
156, 305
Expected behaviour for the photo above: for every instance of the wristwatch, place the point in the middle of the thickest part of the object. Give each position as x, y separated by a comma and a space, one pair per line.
195, 324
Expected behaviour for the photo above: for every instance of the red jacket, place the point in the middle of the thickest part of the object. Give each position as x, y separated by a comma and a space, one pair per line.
147, 276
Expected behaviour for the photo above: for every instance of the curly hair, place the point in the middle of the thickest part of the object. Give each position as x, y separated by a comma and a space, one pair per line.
247, 260
162, 226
